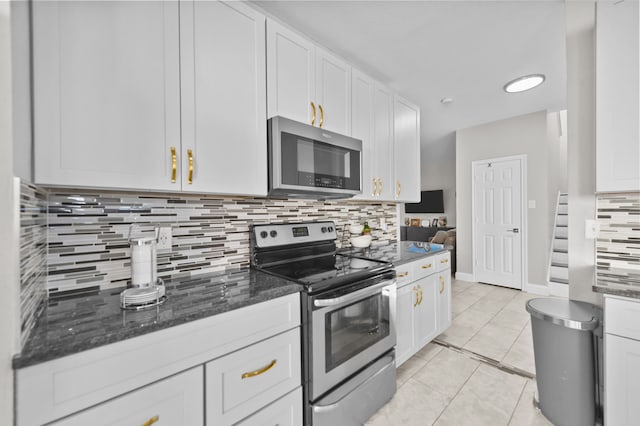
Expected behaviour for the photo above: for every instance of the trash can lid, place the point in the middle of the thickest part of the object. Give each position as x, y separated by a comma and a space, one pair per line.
567, 313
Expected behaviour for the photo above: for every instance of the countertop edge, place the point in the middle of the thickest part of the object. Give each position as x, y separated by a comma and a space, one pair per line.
633, 294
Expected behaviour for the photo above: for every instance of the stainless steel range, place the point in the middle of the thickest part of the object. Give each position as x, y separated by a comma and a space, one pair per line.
348, 317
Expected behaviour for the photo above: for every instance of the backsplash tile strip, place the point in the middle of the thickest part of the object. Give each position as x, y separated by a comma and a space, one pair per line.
88, 232
33, 255
618, 243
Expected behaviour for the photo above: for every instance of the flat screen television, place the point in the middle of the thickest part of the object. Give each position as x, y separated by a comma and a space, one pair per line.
430, 202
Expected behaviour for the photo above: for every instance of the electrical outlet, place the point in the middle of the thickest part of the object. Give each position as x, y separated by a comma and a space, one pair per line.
164, 238
383, 224
591, 229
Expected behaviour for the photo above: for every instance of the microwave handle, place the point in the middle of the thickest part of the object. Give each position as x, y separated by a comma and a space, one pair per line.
368, 291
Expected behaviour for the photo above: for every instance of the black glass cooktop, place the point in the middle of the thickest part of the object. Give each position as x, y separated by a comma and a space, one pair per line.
327, 271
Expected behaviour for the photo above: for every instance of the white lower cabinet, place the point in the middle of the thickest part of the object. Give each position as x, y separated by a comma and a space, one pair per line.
621, 362
287, 411
244, 381
423, 304
177, 400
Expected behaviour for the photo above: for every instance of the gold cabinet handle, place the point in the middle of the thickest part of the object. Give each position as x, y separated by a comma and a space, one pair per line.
374, 187
380, 186
313, 113
151, 421
420, 302
399, 190
190, 177
321, 116
174, 164
427, 266
260, 371
404, 274
415, 290
441, 284
444, 261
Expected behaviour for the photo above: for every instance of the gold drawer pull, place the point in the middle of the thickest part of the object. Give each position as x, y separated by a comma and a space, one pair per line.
420, 302
427, 266
174, 164
151, 421
313, 113
260, 371
190, 155
321, 116
402, 275
444, 261
441, 284
415, 290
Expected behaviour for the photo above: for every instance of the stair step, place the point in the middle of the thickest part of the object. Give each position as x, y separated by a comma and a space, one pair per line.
563, 199
561, 232
561, 245
561, 258
562, 220
563, 209
559, 281
560, 265
559, 272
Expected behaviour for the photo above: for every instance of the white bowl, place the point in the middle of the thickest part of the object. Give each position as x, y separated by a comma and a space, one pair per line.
361, 241
356, 229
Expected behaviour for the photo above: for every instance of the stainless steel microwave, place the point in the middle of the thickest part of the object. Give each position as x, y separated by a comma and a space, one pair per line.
310, 162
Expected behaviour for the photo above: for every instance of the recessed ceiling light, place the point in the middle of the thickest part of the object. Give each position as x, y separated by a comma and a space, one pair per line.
445, 101
524, 83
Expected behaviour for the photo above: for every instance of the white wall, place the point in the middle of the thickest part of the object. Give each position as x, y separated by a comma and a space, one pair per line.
438, 171
8, 284
526, 134
581, 146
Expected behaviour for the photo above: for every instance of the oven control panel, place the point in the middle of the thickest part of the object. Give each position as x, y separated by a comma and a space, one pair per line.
273, 235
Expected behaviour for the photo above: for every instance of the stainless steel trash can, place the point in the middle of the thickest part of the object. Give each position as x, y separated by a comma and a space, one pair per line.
566, 356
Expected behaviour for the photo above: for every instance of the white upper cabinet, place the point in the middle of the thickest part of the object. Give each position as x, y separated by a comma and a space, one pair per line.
305, 82
382, 165
362, 127
290, 74
617, 112
106, 93
406, 150
333, 92
223, 98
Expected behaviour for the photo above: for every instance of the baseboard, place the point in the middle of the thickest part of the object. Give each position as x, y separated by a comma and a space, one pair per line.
559, 289
540, 289
463, 276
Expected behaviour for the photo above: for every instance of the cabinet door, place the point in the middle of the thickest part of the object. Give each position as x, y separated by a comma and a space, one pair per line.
106, 93
290, 74
443, 284
622, 381
406, 124
223, 98
287, 411
177, 400
405, 310
617, 111
383, 142
426, 318
362, 127
333, 92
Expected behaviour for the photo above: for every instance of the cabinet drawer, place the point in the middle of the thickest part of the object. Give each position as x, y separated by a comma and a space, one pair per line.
287, 411
622, 317
177, 400
249, 379
425, 267
404, 274
443, 261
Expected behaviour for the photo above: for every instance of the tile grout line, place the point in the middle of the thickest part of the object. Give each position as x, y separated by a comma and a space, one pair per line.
457, 393
517, 403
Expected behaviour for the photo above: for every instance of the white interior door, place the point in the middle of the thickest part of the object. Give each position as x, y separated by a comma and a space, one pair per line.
497, 220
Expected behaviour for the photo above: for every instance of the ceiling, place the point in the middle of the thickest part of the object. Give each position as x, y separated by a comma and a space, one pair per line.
429, 50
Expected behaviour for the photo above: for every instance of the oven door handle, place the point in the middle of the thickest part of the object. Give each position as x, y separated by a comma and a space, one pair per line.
359, 294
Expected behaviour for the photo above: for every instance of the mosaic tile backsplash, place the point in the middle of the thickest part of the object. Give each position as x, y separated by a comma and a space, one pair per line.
33, 255
88, 232
618, 243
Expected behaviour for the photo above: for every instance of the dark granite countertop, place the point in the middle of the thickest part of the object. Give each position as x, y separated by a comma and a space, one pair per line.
397, 253
617, 291
77, 324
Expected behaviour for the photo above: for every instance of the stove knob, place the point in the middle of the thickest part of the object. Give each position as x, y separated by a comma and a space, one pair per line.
331, 229
263, 234
323, 229
273, 234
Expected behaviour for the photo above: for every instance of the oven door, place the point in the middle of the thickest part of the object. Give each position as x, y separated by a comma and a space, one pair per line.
349, 330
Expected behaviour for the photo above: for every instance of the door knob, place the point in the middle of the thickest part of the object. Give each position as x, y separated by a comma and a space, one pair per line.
514, 230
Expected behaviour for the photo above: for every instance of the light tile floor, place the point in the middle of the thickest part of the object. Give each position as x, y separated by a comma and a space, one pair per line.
466, 378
